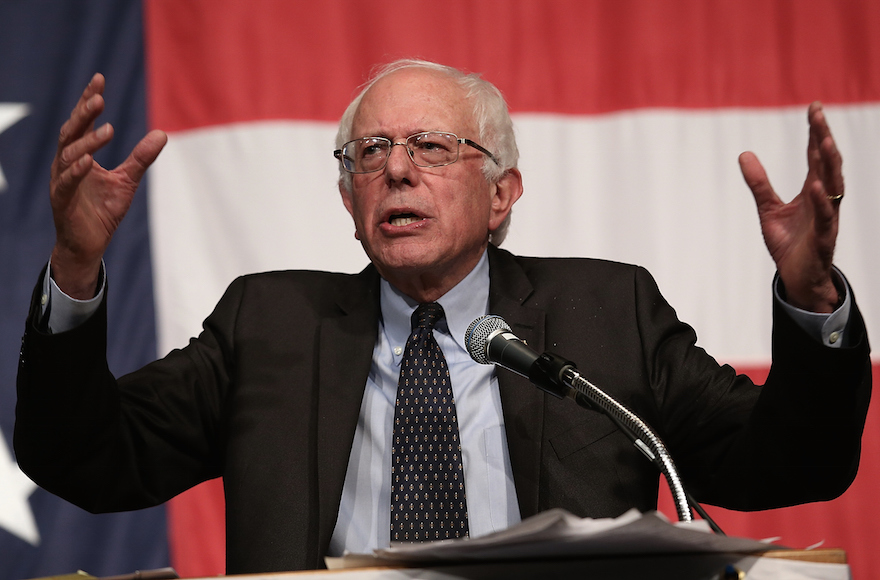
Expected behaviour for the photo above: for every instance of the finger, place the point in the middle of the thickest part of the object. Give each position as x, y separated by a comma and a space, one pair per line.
818, 121
81, 121
95, 87
825, 158
814, 157
831, 172
143, 155
68, 180
756, 178
84, 113
819, 133
89, 144
76, 160
825, 210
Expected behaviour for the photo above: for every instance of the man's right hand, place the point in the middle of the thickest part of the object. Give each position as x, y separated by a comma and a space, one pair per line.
88, 201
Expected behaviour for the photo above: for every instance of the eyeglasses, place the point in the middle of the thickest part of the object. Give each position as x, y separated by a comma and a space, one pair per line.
427, 149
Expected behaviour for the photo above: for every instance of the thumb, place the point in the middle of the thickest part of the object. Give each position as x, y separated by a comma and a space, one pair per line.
143, 155
756, 178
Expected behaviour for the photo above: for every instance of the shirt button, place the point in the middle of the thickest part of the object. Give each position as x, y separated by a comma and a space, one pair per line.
833, 337
398, 350
44, 298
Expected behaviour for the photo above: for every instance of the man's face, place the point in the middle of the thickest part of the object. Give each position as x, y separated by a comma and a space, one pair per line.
421, 227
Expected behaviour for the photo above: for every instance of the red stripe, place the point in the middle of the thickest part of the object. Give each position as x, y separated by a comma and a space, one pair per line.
225, 61
197, 531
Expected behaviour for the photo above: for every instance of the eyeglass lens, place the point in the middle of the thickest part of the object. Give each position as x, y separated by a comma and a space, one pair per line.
430, 149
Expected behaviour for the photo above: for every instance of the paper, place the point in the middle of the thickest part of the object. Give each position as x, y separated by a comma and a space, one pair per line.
557, 533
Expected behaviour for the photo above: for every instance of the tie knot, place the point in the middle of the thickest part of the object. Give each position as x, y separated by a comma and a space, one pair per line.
427, 315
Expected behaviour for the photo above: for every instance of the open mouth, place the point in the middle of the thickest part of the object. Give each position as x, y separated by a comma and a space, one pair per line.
403, 219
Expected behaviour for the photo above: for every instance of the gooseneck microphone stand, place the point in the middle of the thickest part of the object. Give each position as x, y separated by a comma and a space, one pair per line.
589, 396
490, 341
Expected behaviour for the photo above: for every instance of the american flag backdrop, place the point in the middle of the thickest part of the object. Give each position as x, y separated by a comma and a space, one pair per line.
630, 115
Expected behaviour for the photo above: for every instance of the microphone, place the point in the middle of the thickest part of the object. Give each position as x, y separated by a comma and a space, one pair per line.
490, 340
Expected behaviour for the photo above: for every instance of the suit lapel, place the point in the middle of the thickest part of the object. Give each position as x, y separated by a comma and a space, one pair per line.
345, 356
522, 403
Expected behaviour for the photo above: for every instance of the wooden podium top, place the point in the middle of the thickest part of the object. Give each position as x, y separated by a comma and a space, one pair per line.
820, 564
822, 556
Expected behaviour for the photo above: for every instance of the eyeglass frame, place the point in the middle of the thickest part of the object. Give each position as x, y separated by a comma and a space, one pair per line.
411, 154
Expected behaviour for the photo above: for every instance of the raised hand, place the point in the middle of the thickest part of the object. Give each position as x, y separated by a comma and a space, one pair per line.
89, 201
801, 234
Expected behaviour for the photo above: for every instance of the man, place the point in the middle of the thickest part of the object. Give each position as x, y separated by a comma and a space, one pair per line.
289, 394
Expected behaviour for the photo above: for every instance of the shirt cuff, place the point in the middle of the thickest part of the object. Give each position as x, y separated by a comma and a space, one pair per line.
59, 312
829, 329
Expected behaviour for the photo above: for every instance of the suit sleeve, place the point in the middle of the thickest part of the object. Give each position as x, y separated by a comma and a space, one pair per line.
742, 446
109, 445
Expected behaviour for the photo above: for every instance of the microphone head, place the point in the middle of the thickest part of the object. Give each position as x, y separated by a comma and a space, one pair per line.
476, 338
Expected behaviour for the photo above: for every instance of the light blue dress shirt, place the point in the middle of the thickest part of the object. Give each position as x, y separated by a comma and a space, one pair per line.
365, 510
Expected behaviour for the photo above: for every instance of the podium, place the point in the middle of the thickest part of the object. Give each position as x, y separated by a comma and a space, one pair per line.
557, 545
772, 565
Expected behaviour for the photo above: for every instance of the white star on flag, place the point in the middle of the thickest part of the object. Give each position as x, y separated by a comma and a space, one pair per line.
10, 114
15, 488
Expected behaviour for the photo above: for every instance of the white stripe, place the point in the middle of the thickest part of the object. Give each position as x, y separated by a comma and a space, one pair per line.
232, 200
660, 188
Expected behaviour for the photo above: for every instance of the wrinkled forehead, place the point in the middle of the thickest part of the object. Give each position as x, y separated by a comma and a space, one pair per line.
409, 101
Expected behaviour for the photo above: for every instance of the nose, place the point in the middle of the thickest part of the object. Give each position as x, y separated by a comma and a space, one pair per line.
405, 150
400, 166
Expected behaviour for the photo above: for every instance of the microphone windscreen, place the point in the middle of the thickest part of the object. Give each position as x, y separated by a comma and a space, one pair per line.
476, 338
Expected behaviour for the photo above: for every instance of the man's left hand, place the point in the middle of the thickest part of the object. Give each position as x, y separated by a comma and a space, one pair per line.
801, 234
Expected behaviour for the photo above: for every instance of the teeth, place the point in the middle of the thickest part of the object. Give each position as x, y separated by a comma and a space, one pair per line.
404, 221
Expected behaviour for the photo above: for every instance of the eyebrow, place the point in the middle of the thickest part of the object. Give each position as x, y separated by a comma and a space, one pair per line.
386, 135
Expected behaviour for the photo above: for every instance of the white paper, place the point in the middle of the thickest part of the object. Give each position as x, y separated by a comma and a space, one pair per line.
557, 533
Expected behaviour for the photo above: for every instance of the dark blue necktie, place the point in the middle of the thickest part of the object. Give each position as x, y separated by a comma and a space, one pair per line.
427, 478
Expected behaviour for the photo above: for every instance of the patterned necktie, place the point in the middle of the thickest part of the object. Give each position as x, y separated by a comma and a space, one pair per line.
427, 479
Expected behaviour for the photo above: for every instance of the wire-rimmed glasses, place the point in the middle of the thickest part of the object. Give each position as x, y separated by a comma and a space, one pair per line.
426, 149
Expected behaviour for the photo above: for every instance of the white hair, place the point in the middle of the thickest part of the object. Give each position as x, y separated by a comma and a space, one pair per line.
490, 113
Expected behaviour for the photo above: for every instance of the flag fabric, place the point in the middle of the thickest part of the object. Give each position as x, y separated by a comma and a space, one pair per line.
48, 51
630, 115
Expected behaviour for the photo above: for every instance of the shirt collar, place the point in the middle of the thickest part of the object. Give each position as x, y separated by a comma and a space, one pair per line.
465, 302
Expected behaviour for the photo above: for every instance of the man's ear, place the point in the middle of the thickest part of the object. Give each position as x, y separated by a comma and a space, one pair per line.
508, 190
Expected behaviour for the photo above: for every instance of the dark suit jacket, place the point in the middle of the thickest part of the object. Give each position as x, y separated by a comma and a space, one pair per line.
268, 398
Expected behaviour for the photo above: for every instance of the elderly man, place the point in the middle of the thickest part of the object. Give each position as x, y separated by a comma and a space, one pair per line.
299, 393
